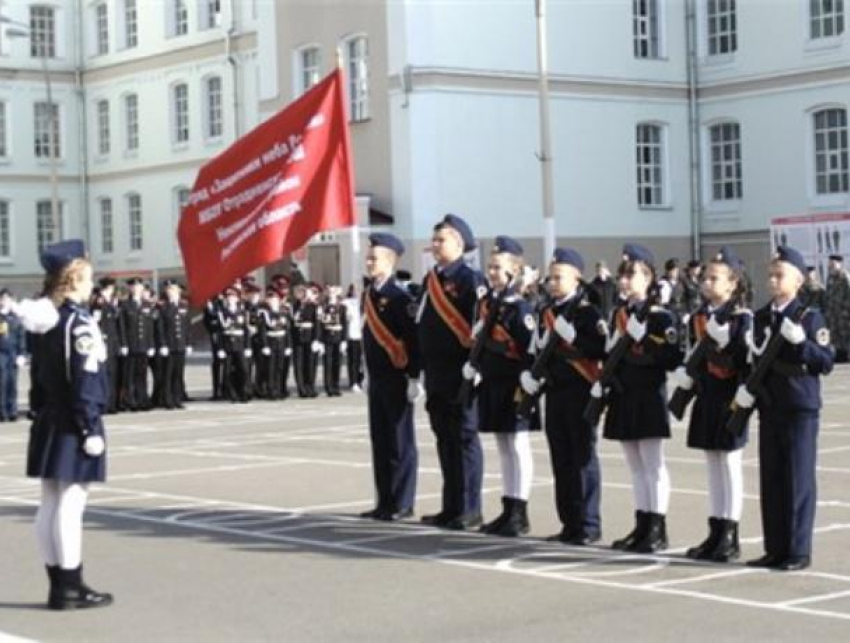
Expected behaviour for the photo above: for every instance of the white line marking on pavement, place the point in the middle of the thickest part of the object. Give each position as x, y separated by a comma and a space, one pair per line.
816, 599
698, 579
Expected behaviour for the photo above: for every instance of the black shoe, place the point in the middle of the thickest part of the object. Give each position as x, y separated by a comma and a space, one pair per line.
794, 563
727, 548
494, 525
768, 560
583, 538
464, 522
517, 522
562, 536
394, 516
70, 592
13, 418
372, 514
706, 548
437, 520
637, 533
655, 538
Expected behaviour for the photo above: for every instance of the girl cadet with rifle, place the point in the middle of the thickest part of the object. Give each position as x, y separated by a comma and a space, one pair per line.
717, 335
791, 346
637, 400
574, 326
505, 325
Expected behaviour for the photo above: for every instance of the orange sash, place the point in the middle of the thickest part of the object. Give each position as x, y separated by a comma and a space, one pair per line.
394, 347
500, 333
620, 322
447, 312
721, 373
589, 369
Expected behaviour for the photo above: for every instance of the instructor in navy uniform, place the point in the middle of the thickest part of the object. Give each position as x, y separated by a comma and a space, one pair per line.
446, 312
392, 363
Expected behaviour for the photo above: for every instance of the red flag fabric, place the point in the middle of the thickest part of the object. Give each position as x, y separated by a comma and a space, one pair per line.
269, 192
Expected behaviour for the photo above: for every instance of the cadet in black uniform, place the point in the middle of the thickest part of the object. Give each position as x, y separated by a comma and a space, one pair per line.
505, 356
306, 343
446, 313
234, 347
211, 324
105, 313
136, 318
728, 323
332, 333
637, 413
172, 336
789, 416
574, 367
392, 361
251, 306
275, 332
67, 445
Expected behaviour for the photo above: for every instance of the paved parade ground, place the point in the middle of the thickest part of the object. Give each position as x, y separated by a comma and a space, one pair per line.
238, 522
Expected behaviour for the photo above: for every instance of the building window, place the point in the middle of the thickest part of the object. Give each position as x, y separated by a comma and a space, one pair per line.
214, 117
4, 148
650, 165
180, 109
134, 212
357, 50
5, 231
725, 144
180, 17
826, 18
210, 14
131, 120
46, 128
131, 24
48, 228
309, 68
646, 28
722, 27
831, 152
103, 127
101, 23
107, 229
42, 32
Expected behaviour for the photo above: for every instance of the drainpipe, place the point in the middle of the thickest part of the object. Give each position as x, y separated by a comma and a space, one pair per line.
234, 68
694, 129
79, 90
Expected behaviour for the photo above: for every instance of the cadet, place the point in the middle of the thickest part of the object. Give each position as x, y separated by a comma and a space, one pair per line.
579, 330
12, 355
211, 324
838, 307
789, 415
728, 323
505, 356
275, 332
392, 361
332, 333
67, 443
353, 338
172, 336
136, 316
306, 344
234, 347
251, 306
447, 309
637, 413
105, 313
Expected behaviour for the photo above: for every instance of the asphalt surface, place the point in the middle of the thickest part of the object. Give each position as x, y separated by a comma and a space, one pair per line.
229, 522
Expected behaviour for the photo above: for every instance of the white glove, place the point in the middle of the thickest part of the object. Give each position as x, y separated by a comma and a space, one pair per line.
565, 329
793, 333
21, 361
414, 390
343, 348
743, 398
164, 351
681, 379
718, 332
635, 328
151, 352
543, 339
530, 385
596, 390
188, 350
468, 371
124, 351
266, 350
94, 446
612, 340
477, 327
248, 352
685, 319
221, 354
288, 352
316, 346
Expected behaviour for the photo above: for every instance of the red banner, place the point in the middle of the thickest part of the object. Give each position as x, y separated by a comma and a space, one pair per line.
269, 192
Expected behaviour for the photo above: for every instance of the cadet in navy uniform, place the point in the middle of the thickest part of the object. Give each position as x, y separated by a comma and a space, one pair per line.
105, 313
211, 324
306, 342
172, 337
137, 321
789, 415
580, 332
505, 356
446, 312
275, 332
251, 306
332, 333
67, 444
724, 319
392, 363
234, 347
12, 355
637, 413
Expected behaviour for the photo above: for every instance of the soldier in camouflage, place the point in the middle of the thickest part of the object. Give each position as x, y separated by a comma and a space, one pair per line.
838, 307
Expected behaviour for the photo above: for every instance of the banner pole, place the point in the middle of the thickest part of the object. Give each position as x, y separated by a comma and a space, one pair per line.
545, 155
355, 269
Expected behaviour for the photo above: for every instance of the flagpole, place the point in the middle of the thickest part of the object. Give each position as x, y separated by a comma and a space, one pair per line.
545, 156
355, 228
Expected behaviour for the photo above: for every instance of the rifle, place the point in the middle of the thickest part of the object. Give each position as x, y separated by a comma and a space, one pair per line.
541, 362
596, 405
737, 422
682, 397
464, 395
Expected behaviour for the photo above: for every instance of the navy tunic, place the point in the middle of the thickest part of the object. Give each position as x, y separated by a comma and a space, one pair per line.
717, 383
72, 375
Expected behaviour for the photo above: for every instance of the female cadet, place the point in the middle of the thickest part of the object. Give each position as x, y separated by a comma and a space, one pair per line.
725, 322
67, 446
637, 411
505, 356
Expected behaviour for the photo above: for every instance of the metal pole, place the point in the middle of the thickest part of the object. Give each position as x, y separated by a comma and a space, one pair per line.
51, 142
694, 131
356, 269
545, 156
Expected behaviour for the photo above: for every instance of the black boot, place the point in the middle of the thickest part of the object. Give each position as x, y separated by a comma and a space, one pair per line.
656, 535
727, 548
636, 534
70, 592
517, 522
494, 525
705, 549
51, 576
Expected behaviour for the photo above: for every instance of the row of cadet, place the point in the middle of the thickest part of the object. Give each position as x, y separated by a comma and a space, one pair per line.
487, 355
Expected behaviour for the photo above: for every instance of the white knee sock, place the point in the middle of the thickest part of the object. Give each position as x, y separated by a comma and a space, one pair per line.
68, 524
44, 521
655, 470
517, 464
639, 488
731, 464
716, 487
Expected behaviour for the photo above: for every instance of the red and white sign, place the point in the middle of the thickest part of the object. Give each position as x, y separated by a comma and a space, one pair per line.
816, 236
269, 192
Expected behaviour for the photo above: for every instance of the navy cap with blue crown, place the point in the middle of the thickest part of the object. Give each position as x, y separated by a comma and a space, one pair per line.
570, 257
507, 244
386, 240
728, 256
57, 256
636, 252
787, 254
462, 227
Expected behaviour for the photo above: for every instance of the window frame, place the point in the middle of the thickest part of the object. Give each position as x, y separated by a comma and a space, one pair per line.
7, 229
56, 135
131, 36
209, 121
712, 38
57, 232
300, 76
104, 238
101, 29
49, 48
712, 202
829, 197
131, 127
837, 15
656, 7
104, 133
135, 227
640, 167
179, 119
5, 146
357, 90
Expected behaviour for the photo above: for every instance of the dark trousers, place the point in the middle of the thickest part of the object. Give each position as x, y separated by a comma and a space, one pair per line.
158, 364
113, 382
575, 462
235, 376
332, 364
173, 387
787, 461
274, 371
395, 458
459, 451
8, 386
136, 380
305, 369
355, 362
216, 366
